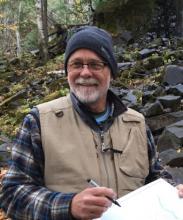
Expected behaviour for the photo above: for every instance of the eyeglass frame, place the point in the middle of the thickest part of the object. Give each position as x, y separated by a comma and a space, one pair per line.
88, 64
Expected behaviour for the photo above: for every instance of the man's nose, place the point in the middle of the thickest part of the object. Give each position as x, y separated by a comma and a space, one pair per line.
85, 71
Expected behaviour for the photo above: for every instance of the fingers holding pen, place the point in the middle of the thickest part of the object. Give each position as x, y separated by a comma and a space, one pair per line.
103, 191
91, 202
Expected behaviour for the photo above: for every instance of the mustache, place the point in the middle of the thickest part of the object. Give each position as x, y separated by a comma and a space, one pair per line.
88, 81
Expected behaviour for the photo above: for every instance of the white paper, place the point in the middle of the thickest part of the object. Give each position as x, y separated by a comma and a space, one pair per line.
155, 201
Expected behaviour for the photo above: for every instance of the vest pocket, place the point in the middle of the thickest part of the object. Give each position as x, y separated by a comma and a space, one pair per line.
134, 160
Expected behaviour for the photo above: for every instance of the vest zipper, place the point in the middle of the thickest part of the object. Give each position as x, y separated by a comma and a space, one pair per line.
103, 147
102, 141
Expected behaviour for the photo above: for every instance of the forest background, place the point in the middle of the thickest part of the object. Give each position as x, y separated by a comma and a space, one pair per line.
147, 35
33, 35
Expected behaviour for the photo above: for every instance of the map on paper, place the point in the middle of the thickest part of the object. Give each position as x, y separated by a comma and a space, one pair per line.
155, 201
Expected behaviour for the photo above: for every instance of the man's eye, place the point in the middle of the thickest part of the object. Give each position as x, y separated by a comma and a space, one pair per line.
95, 65
77, 65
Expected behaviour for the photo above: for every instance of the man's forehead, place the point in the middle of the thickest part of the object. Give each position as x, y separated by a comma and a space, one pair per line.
85, 54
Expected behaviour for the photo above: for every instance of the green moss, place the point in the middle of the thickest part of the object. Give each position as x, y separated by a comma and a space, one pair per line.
153, 62
169, 56
56, 94
138, 95
8, 125
21, 112
53, 95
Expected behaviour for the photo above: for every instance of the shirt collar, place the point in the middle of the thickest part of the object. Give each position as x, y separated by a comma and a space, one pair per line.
116, 104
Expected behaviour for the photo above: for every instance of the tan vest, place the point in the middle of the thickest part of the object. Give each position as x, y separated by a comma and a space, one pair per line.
73, 151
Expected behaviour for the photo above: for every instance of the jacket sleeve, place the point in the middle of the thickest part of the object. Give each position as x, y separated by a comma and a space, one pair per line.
156, 170
24, 195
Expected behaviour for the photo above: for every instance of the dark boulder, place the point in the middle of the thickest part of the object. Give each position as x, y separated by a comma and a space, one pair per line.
172, 137
170, 101
173, 75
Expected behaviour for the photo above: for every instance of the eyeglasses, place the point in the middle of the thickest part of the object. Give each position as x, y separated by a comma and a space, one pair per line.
94, 66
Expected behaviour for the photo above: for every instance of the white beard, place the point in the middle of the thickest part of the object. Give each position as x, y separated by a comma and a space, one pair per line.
88, 91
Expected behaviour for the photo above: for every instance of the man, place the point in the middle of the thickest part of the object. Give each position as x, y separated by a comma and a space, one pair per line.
89, 134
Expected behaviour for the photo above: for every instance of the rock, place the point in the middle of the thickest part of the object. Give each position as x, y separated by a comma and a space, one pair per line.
130, 99
146, 52
159, 91
172, 137
150, 87
141, 74
172, 158
173, 75
119, 92
170, 101
165, 41
148, 96
176, 162
158, 123
119, 52
153, 62
176, 90
152, 109
127, 36
177, 174
125, 66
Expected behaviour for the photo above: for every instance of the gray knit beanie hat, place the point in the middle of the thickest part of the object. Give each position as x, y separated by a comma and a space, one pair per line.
95, 39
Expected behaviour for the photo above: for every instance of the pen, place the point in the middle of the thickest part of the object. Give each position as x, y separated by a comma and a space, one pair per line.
93, 183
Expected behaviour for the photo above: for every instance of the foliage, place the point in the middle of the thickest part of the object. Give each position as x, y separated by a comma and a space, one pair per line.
56, 94
59, 12
40, 83
138, 95
127, 13
169, 57
10, 23
30, 41
8, 125
78, 12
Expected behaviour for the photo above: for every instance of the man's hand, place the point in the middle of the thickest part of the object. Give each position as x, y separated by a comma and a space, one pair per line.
180, 190
91, 203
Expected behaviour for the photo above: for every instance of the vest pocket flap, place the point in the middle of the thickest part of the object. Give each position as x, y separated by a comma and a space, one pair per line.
131, 118
130, 172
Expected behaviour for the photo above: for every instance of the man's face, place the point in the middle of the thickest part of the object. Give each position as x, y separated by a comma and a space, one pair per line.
89, 83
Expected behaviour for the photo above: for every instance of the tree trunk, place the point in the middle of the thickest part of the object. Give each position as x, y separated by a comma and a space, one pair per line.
91, 10
41, 7
19, 51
